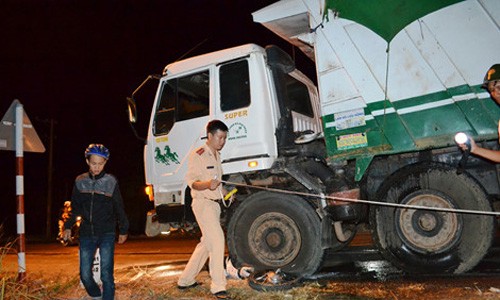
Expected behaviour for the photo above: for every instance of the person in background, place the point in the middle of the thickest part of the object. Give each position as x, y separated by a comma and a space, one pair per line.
203, 177
96, 198
492, 84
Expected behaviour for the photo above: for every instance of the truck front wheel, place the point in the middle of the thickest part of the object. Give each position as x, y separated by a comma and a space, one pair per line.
271, 231
429, 241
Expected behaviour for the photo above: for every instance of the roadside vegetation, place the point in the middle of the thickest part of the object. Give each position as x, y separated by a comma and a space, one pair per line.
137, 284
35, 287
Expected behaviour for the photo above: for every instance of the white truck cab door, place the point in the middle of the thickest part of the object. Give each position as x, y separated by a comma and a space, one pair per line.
177, 127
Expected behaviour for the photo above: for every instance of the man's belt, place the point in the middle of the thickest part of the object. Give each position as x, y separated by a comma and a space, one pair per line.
215, 200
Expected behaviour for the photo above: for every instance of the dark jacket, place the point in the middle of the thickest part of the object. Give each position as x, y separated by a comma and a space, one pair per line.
99, 202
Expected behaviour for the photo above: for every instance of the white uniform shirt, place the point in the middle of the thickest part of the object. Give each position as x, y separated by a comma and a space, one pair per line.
203, 166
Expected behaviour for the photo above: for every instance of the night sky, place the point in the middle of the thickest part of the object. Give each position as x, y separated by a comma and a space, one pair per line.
75, 62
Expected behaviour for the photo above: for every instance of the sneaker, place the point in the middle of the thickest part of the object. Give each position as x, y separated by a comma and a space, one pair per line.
222, 295
185, 287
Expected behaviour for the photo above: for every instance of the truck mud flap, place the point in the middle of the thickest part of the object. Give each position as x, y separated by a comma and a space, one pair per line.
174, 213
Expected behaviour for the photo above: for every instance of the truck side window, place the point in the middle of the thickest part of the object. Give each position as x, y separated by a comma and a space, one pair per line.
298, 97
234, 85
182, 99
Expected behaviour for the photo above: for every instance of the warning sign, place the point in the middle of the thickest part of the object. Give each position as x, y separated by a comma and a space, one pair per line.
31, 141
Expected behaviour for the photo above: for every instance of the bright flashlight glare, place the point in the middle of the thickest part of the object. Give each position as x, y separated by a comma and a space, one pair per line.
461, 138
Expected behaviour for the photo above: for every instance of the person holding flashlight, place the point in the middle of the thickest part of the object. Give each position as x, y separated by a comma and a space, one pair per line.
492, 84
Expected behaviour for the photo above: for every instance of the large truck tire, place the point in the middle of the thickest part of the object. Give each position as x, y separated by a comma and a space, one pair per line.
271, 231
426, 241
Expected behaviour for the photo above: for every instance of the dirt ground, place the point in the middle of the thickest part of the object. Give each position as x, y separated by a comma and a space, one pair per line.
153, 274
144, 283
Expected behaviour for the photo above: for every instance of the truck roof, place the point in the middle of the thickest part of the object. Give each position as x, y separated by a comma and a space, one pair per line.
216, 57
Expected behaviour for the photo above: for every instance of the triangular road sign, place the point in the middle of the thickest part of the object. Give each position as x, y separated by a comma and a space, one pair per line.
31, 141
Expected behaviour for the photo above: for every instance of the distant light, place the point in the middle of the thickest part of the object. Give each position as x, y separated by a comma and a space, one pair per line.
150, 192
461, 138
253, 164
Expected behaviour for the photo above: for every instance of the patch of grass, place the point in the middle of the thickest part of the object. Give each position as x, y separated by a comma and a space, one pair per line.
33, 288
152, 286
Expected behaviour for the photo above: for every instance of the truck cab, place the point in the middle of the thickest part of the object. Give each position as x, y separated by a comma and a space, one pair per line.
235, 86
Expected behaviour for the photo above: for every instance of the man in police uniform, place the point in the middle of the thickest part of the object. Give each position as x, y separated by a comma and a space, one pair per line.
203, 177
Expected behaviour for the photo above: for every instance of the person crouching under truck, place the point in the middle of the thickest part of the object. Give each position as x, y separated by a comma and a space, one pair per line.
492, 84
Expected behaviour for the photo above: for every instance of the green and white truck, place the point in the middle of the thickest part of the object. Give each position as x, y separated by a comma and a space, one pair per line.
395, 82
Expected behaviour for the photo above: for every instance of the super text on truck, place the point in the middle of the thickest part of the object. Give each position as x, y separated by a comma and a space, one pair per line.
378, 127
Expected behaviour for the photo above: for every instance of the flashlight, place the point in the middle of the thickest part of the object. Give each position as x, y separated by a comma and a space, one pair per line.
462, 138
232, 192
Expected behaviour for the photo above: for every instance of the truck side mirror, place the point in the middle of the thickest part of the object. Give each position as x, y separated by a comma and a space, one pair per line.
132, 111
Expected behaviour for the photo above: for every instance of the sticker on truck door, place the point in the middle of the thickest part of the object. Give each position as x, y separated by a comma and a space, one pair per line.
237, 131
167, 156
351, 141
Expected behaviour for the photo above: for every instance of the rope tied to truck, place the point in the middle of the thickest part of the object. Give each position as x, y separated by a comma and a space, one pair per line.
396, 205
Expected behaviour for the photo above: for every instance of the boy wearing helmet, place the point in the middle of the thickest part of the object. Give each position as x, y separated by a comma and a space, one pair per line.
96, 198
492, 84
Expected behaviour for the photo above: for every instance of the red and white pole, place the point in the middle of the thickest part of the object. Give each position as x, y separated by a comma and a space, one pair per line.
21, 254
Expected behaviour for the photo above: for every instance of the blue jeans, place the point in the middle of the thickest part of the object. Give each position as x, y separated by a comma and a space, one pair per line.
88, 247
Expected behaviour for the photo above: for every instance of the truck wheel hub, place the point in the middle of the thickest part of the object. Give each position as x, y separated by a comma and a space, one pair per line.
274, 239
426, 230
